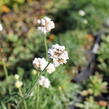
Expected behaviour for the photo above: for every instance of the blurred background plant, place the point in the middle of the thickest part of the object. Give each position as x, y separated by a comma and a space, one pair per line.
96, 86
90, 104
103, 55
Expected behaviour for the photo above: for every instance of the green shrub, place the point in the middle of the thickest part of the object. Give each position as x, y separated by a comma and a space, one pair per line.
90, 103
96, 13
75, 42
104, 55
97, 85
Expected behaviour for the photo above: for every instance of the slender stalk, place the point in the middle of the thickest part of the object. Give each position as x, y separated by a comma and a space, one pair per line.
46, 47
21, 94
6, 73
5, 69
46, 66
32, 88
28, 93
38, 94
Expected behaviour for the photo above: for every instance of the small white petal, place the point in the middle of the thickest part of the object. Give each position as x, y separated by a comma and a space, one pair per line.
42, 30
43, 64
43, 22
85, 21
47, 19
44, 82
52, 25
1, 27
50, 68
40, 63
18, 84
17, 76
38, 21
36, 63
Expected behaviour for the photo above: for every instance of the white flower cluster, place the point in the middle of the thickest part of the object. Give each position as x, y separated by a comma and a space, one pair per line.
50, 68
41, 64
18, 83
82, 13
43, 81
58, 54
46, 25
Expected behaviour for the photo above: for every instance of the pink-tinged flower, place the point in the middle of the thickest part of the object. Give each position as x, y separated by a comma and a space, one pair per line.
58, 54
46, 25
40, 63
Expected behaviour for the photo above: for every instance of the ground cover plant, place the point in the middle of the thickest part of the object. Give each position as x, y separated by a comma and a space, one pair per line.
45, 46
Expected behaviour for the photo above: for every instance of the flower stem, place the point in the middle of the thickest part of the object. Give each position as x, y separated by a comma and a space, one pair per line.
46, 66
21, 94
28, 93
6, 73
46, 47
38, 94
32, 88
5, 70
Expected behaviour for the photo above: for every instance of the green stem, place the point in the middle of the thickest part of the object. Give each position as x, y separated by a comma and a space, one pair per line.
28, 93
6, 73
32, 88
38, 94
21, 94
5, 69
46, 47
47, 65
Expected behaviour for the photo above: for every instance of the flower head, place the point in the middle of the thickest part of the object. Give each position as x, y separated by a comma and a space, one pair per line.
85, 21
82, 13
18, 84
58, 54
44, 82
46, 25
34, 72
50, 68
40, 63
16, 76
